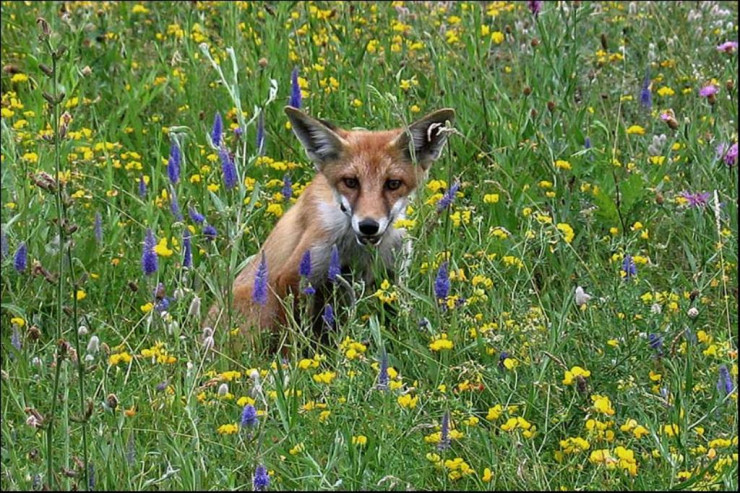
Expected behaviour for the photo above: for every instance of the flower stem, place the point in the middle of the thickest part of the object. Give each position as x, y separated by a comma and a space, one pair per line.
60, 282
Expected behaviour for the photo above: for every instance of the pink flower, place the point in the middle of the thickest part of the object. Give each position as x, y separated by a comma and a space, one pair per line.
728, 153
709, 90
728, 47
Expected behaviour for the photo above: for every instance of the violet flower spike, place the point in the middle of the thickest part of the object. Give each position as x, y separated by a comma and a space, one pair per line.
287, 190
149, 261
335, 267
217, 130
442, 283
210, 232
259, 292
98, 228
646, 97
328, 316
628, 267
173, 165
196, 216
20, 261
261, 479
187, 249
295, 90
142, 187
449, 197
304, 269
228, 167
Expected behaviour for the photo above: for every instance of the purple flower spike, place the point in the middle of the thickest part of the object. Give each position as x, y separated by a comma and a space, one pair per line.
304, 269
335, 267
228, 167
259, 292
218, 130
149, 261
442, 282
295, 90
173, 165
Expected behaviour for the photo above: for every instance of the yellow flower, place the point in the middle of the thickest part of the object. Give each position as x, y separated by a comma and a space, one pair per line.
494, 412
123, 357
666, 91
560, 164
17, 321
243, 401
602, 404
406, 401
576, 371
162, 250
228, 429
275, 209
567, 231
640, 431
490, 198
147, 307
297, 449
325, 377
360, 440
17, 78
671, 430
635, 129
487, 475
440, 343
497, 37
80, 295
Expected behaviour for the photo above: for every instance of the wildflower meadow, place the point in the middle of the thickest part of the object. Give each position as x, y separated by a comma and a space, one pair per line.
562, 316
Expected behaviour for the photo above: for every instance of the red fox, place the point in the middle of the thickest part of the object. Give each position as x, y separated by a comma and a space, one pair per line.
362, 186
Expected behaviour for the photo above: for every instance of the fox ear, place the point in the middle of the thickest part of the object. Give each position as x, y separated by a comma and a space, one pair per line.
322, 144
422, 142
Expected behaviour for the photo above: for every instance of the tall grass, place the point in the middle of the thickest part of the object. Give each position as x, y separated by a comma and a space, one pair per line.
568, 178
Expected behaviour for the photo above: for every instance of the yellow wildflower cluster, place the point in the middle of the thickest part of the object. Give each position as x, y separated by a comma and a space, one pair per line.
631, 426
122, 357
457, 468
325, 377
228, 429
519, 423
408, 402
574, 445
440, 343
384, 294
274, 164
158, 354
352, 349
599, 430
623, 458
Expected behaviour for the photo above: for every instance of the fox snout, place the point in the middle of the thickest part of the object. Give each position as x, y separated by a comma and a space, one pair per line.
368, 230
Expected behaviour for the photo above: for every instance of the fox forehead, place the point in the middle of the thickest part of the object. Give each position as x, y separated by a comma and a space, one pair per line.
372, 155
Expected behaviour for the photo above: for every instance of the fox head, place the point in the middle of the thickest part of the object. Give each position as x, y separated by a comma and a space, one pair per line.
372, 173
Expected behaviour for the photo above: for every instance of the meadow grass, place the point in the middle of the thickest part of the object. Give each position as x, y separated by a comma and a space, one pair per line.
592, 148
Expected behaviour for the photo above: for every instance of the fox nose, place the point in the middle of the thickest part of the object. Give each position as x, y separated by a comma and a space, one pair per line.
369, 227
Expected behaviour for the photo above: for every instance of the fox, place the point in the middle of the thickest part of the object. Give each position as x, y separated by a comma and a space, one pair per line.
363, 183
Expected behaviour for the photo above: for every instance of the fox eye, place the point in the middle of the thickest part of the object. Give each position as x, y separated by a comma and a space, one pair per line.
351, 182
393, 184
